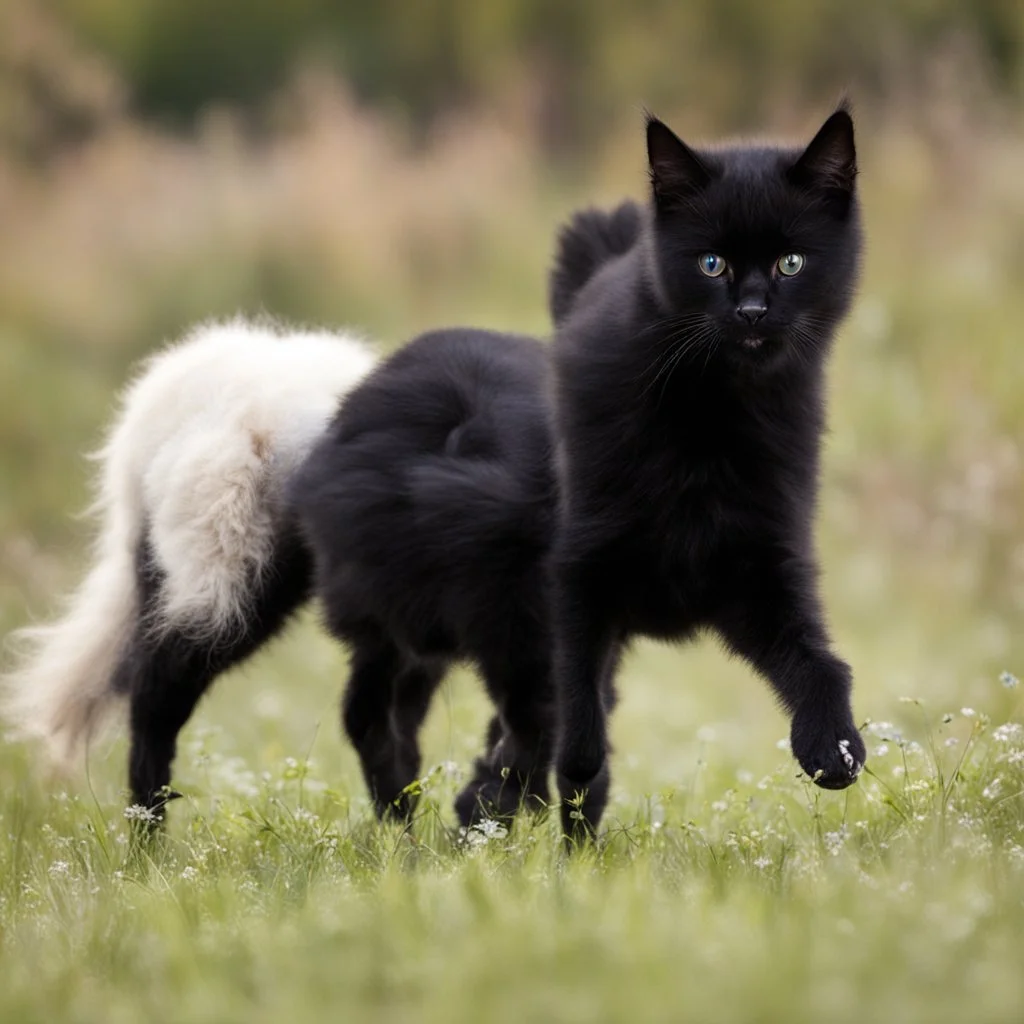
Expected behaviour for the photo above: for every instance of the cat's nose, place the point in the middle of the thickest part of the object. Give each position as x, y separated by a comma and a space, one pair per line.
752, 311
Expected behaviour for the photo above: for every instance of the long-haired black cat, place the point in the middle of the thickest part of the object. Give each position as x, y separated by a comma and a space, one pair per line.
689, 413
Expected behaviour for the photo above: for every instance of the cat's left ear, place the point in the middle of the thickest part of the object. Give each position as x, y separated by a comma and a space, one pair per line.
830, 160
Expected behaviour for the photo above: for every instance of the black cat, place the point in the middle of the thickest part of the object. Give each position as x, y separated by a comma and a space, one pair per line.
689, 412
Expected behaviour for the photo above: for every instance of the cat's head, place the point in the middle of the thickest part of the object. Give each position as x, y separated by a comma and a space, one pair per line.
756, 248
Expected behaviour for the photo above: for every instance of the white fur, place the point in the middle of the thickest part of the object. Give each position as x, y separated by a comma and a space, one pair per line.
205, 441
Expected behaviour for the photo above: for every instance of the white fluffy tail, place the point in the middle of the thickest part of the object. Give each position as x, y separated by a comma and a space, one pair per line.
62, 692
197, 459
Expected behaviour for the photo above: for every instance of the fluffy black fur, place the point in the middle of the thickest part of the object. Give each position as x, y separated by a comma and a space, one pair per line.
428, 507
165, 673
690, 410
587, 242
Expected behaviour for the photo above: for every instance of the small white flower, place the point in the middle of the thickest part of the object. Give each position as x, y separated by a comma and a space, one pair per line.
881, 750
719, 806
783, 744
189, 874
834, 841
1009, 732
951, 741
1009, 680
947, 718
968, 712
1017, 757
991, 791
137, 812
885, 731
60, 869
489, 829
762, 862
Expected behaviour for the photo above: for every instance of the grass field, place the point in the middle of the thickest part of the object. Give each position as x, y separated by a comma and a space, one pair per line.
725, 887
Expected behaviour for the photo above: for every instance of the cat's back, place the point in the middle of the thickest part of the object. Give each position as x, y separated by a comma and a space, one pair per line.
444, 379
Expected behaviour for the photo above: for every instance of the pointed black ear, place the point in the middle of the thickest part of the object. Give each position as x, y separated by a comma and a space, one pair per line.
675, 169
830, 160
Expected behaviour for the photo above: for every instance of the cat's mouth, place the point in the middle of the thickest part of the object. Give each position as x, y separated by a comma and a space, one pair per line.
753, 343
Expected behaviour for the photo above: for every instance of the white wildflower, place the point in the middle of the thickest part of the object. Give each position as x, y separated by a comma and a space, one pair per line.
991, 791
189, 873
968, 712
783, 744
881, 750
762, 862
138, 812
885, 731
834, 841
951, 741
719, 806
60, 869
1009, 680
1009, 732
1017, 757
491, 829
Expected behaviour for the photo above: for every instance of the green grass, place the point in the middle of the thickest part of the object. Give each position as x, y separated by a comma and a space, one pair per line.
725, 887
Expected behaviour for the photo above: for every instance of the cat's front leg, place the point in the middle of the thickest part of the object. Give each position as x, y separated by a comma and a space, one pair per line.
584, 655
773, 619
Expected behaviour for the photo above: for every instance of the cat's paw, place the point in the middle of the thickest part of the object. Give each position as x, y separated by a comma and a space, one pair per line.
828, 748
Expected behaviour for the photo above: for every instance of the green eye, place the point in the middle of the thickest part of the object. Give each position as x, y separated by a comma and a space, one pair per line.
791, 264
712, 265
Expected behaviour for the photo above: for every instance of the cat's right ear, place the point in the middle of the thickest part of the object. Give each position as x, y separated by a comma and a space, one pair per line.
676, 170
829, 162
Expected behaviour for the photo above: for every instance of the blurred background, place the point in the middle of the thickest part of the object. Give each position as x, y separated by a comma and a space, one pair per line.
396, 166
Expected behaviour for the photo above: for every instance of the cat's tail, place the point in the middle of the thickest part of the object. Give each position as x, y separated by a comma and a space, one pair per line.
61, 691
585, 243
189, 480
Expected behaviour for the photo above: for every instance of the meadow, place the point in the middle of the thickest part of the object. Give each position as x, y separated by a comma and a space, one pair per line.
725, 886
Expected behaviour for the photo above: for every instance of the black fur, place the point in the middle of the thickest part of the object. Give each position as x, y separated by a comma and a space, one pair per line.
164, 674
428, 506
587, 242
688, 450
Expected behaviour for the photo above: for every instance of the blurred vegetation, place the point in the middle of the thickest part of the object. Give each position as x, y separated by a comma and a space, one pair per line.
572, 65
734, 58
